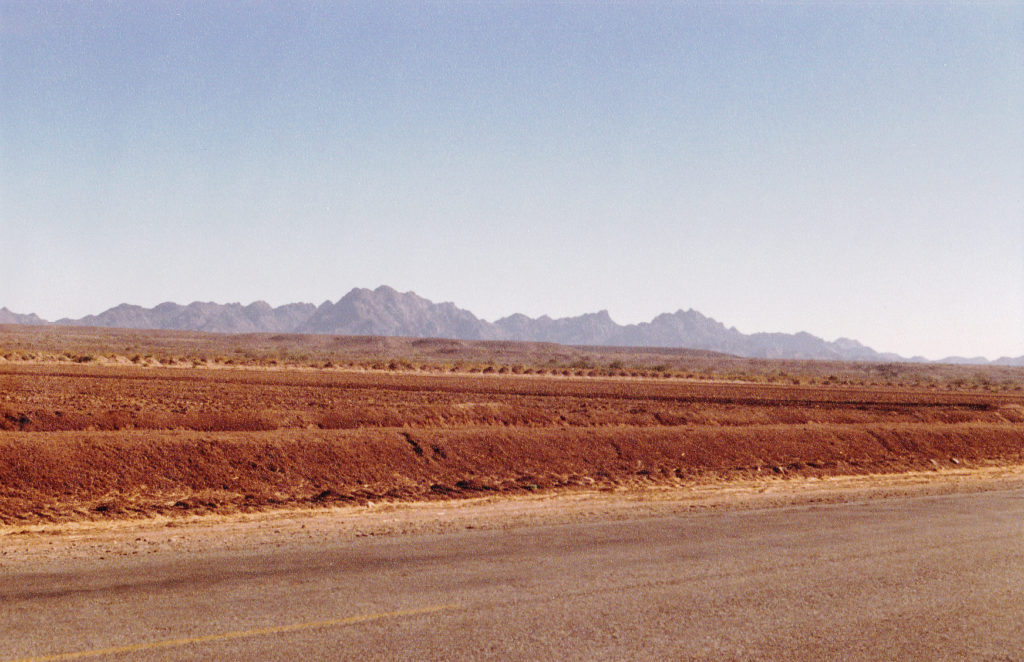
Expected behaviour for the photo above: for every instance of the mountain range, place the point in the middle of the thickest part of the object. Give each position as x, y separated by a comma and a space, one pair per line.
387, 312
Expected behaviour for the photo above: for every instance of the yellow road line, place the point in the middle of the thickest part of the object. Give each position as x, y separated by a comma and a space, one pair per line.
240, 634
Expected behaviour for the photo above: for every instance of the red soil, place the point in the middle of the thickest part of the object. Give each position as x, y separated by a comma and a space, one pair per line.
86, 442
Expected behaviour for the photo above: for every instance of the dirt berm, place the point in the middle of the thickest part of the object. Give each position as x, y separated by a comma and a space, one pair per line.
85, 475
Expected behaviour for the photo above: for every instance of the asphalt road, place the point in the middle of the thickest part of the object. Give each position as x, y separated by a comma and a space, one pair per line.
911, 578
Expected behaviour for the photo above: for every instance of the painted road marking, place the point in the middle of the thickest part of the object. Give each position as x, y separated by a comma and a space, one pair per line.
240, 634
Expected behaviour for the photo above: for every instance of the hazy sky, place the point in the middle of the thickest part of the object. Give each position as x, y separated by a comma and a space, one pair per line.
850, 170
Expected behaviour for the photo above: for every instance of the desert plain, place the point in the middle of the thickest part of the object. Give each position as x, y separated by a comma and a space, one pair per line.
181, 496
140, 424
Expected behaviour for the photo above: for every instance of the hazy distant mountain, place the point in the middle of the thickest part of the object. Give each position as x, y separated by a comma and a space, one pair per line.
7, 317
684, 329
963, 360
589, 329
202, 316
386, 312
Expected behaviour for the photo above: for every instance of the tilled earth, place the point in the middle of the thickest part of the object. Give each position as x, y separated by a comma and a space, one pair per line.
93, 442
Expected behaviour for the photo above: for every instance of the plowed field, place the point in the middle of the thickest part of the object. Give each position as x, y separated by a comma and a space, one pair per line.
85, 441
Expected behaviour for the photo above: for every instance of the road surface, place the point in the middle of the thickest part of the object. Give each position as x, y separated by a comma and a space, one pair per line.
937, 577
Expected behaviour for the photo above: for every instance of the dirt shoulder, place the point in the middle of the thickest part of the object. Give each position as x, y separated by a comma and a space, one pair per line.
41, 546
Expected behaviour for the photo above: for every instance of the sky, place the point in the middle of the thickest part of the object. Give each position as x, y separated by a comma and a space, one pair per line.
848, 170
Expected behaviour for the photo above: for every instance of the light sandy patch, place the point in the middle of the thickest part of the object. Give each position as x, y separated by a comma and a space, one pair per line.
46, 544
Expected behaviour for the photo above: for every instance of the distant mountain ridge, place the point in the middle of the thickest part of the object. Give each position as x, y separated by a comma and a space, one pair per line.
7, 317
201, 316
387, 312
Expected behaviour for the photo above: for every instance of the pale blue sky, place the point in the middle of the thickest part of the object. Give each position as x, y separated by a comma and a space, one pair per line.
846, 170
